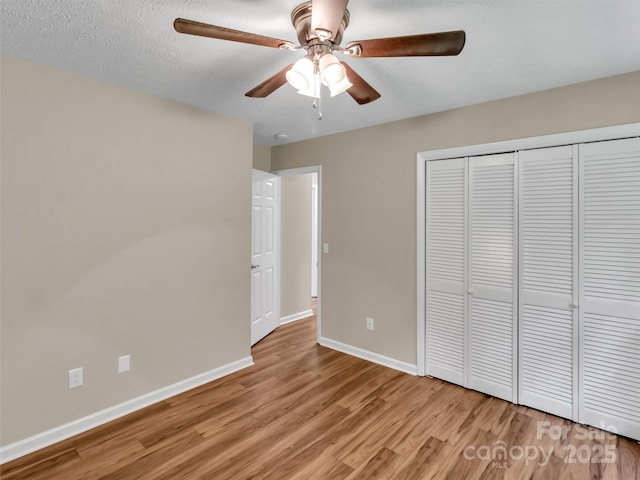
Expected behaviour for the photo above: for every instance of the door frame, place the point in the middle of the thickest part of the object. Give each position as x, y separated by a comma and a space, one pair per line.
552, 140
314, 238
303, 171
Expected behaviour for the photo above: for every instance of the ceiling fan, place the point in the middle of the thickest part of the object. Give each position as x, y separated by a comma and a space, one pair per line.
319, 26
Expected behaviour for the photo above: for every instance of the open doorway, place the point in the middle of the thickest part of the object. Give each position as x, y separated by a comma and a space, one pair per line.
300, 228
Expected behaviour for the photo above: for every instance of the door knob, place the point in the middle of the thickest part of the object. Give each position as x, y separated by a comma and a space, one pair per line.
470, 291
253, 267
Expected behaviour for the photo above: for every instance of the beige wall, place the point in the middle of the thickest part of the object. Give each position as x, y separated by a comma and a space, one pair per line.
262, 157
295, 279
369, 197
126, 220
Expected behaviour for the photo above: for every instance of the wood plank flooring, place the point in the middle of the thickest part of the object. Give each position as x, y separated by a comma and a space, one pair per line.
307, 412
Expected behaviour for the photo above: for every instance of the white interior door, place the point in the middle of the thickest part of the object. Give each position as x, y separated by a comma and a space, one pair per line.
265, 263
446, 247
610, 285
492, 276
548, 279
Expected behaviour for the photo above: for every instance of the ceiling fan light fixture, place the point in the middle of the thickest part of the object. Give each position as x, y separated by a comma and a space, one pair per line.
332, 72
300, 76
313, 89
340, 87
309, 92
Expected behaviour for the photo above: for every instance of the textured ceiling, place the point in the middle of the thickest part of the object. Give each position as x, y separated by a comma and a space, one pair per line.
513, 47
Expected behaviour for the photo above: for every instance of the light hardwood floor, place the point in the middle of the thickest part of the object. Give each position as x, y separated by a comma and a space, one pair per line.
307, 412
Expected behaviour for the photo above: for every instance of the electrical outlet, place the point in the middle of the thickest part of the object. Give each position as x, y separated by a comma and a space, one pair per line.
369, 323
75, 378
124, 363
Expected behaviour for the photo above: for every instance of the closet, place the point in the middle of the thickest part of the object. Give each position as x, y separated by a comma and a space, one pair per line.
532, 277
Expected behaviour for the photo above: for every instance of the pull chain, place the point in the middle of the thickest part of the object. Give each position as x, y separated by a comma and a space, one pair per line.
317, 100
317, 86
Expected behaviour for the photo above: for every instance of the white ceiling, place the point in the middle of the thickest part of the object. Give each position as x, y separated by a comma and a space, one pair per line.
513, 47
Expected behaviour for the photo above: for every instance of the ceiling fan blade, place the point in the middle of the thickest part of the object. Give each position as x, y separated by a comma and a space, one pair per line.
327, 15
427, 44
361, 91
192, 27
270, 85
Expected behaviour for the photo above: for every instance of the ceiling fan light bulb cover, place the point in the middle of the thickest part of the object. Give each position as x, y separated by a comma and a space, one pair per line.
332, 72
313, 90
300, 76
340, 87
309, 92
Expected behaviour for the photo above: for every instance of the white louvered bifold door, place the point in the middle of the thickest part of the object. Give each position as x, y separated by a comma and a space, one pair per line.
445, 267
492, 275
610, 285
548, 223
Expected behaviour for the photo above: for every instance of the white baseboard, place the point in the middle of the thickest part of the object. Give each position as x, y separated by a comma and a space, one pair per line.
57, 434
296, 316
371, 356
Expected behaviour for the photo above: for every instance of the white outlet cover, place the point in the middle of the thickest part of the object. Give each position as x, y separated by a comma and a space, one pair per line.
124, 363
76, 378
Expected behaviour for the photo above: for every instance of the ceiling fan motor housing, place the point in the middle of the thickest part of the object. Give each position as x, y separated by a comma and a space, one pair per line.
301, 20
